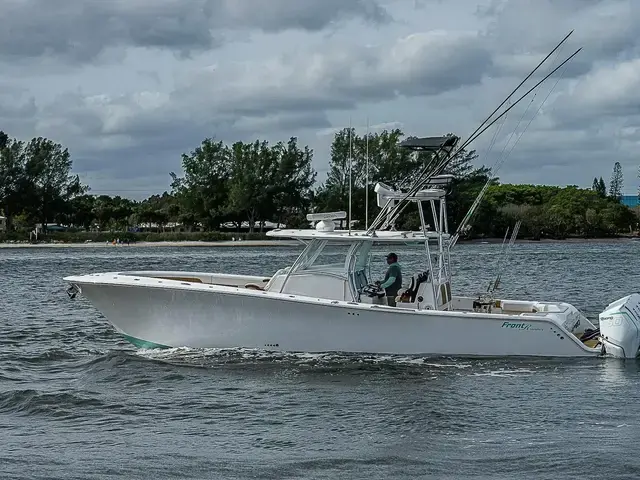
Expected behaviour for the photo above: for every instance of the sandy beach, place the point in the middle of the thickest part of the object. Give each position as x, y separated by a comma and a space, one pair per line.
244, 243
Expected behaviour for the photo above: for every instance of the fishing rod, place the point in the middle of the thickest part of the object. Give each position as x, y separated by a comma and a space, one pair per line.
491, 177
394, 213
428, 171
472, 137
471, 213
490, 147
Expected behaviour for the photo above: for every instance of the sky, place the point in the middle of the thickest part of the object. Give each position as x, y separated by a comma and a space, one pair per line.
130, 85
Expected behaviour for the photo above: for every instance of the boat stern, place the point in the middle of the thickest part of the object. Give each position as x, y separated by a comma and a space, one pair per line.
620, 327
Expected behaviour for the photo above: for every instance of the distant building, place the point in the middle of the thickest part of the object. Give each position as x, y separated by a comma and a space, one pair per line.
630, 200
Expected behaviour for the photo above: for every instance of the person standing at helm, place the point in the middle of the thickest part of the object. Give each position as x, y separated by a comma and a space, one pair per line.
392, 279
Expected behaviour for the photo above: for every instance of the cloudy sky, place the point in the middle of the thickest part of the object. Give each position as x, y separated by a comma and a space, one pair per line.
128, 85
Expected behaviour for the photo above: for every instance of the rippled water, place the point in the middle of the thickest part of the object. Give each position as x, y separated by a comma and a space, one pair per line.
76, 402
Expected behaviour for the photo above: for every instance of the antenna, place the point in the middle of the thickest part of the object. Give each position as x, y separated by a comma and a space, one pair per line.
350, 153
366, 183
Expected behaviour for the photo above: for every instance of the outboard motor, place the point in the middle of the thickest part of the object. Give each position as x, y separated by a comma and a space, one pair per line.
620, 327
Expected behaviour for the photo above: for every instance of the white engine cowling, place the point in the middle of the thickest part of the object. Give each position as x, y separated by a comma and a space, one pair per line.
620, 327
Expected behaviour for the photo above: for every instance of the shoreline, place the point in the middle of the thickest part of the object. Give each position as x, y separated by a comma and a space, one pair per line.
184, 243
285, 243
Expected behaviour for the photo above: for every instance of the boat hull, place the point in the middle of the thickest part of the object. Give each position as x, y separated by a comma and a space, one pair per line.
179, 314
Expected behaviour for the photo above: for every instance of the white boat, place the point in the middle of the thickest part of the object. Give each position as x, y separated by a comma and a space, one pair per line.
314, 306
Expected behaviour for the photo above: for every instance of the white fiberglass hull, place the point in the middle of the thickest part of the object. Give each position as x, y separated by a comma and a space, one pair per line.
153, 312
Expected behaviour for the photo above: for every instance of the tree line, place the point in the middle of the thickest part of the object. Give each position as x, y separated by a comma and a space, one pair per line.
223, 186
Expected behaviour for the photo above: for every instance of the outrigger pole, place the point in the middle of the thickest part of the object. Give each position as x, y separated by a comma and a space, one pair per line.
430, 170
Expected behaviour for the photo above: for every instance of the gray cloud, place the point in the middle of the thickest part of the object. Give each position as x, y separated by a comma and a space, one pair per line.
605, 29
417, 65
312, 15
609, 90
282, 122
282, 96
81, 32
17, 114
132, 136
17, 110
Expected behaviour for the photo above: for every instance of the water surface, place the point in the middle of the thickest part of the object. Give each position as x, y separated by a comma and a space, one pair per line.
77, 402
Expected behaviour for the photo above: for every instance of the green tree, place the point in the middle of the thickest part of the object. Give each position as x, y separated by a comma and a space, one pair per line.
554, 212
49, 179
121, 211
388, 163
602, 188
4, 140
258, 182
616, 184
12, 177
295, 178
81, 212
157, 210
253, 187
599, 187
204, 189
333, 195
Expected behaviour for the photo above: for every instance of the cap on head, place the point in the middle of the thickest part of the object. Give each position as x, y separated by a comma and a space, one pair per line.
392, 256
